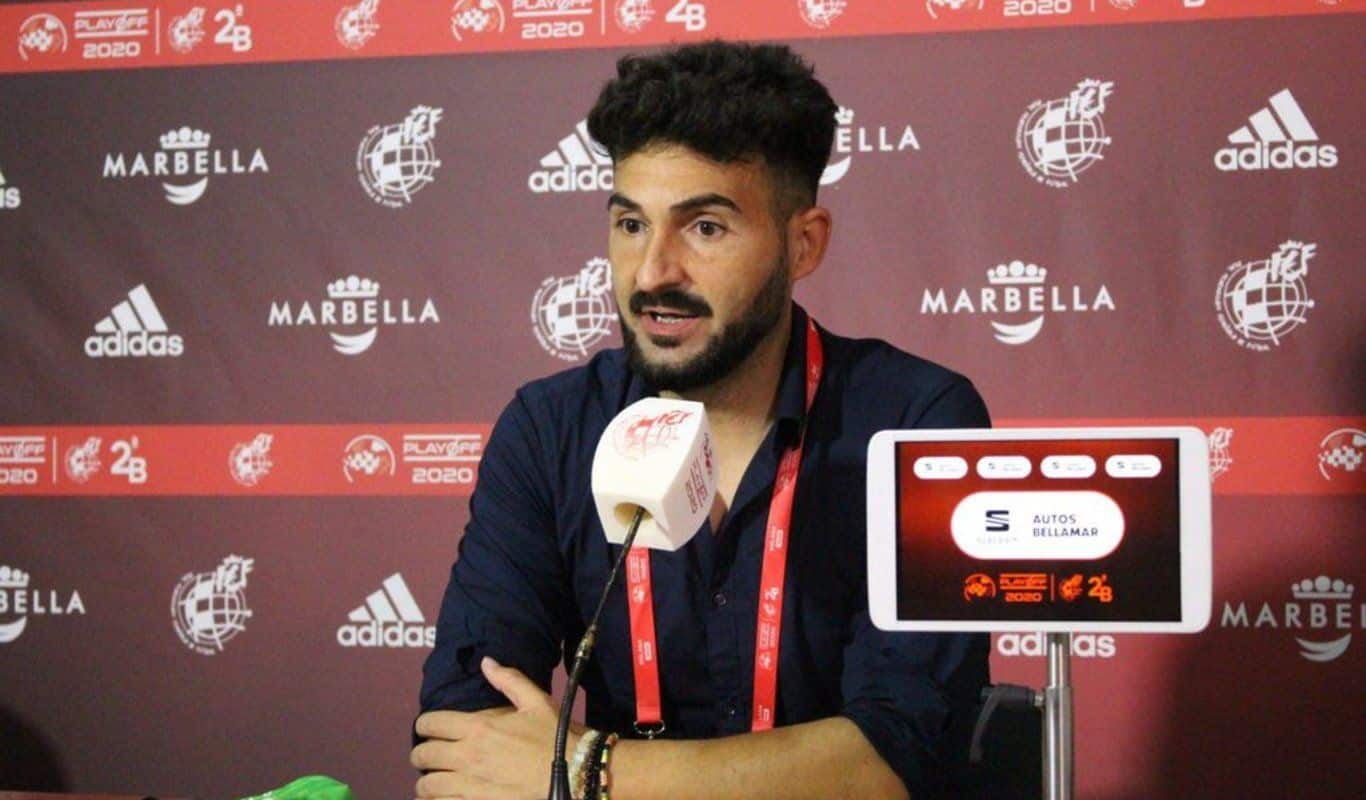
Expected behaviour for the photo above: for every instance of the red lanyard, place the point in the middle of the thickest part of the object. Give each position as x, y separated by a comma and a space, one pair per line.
649, 717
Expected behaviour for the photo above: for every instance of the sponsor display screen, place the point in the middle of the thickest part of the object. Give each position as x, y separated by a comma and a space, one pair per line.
1041, 530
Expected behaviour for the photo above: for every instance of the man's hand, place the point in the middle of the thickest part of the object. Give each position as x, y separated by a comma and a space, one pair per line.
498, 754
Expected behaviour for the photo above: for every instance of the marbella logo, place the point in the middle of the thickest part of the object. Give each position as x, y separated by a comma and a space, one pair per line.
1321, 607
19, 601
819, 14
850, 140
355, 25
134, 329
9, 195
1260, 302
1059, 139
209, 609
1341, 452
572, 313
1219, 458
476, 18
1018, 290
951, 8
249, 462
354, 309
185, 155
1279, 136
577, 164
395, 162
42, 35
389, 617
186, 31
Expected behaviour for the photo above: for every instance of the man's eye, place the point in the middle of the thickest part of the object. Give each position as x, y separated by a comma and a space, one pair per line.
629, 225
708, 228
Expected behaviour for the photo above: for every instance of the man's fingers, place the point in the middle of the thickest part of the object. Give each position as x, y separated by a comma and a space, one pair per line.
451, 725
437, 754
437, 785
513, 684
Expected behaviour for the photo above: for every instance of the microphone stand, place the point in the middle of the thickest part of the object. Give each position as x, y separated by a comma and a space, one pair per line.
559, 768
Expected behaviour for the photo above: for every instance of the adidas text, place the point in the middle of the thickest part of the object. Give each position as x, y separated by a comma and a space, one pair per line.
390, 634
1285, 155
569, 178
141, 343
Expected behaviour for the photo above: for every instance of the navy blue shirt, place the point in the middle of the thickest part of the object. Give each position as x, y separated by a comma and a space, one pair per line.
534, 561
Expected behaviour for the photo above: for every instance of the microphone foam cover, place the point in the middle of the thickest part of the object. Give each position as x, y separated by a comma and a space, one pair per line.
655, 454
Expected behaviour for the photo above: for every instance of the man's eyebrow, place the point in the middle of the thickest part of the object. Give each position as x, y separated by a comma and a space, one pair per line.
681, 207
619, 199
704, 200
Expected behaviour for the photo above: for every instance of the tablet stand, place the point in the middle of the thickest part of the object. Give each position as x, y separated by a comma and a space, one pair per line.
1058, 776
1055, 700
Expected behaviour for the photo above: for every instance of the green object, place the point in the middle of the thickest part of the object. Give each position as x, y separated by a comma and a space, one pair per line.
310, 787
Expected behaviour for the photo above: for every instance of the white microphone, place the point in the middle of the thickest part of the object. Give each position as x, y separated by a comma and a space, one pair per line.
654, 482
656, 455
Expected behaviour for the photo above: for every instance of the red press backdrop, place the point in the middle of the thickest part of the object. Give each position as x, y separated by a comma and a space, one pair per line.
270, 270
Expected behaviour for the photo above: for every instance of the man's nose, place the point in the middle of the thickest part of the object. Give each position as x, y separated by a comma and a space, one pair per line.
662, 267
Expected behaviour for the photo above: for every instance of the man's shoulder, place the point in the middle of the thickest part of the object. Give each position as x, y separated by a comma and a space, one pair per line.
593, 388
876, 364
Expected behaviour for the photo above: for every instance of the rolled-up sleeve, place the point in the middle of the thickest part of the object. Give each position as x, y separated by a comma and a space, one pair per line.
506, 596
914, 695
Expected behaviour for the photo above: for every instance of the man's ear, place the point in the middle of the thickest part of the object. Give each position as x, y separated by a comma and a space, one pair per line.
808, 235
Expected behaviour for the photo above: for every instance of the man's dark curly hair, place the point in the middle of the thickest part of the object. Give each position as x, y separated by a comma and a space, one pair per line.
729, 102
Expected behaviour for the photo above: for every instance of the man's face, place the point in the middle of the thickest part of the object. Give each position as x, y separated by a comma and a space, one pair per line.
699, 265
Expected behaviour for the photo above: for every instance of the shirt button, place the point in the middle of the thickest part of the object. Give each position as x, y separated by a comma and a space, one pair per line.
719, 599
731, 711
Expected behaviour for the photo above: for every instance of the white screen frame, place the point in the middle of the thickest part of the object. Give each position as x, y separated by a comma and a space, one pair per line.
1194, 519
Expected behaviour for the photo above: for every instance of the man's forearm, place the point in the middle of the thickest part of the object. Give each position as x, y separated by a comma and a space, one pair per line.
823, 759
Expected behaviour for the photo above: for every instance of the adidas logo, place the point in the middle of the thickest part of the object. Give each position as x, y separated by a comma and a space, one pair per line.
388, 618
9, 195
577, 164
1277, 137
134, 328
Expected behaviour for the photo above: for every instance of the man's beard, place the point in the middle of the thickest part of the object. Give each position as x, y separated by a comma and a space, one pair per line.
725, 351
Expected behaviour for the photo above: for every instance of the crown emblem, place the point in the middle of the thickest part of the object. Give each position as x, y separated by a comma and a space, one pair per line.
13, 578
1016, 273
1322, 588
353, 288
844, 116
186, 138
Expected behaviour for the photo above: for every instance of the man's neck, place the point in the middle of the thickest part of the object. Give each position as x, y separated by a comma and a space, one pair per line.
745, 401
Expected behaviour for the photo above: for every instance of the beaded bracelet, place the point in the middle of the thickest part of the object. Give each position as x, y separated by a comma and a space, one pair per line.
578, 765
593, 763
599, 778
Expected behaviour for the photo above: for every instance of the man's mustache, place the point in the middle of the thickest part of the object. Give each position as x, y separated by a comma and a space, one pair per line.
669, 299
